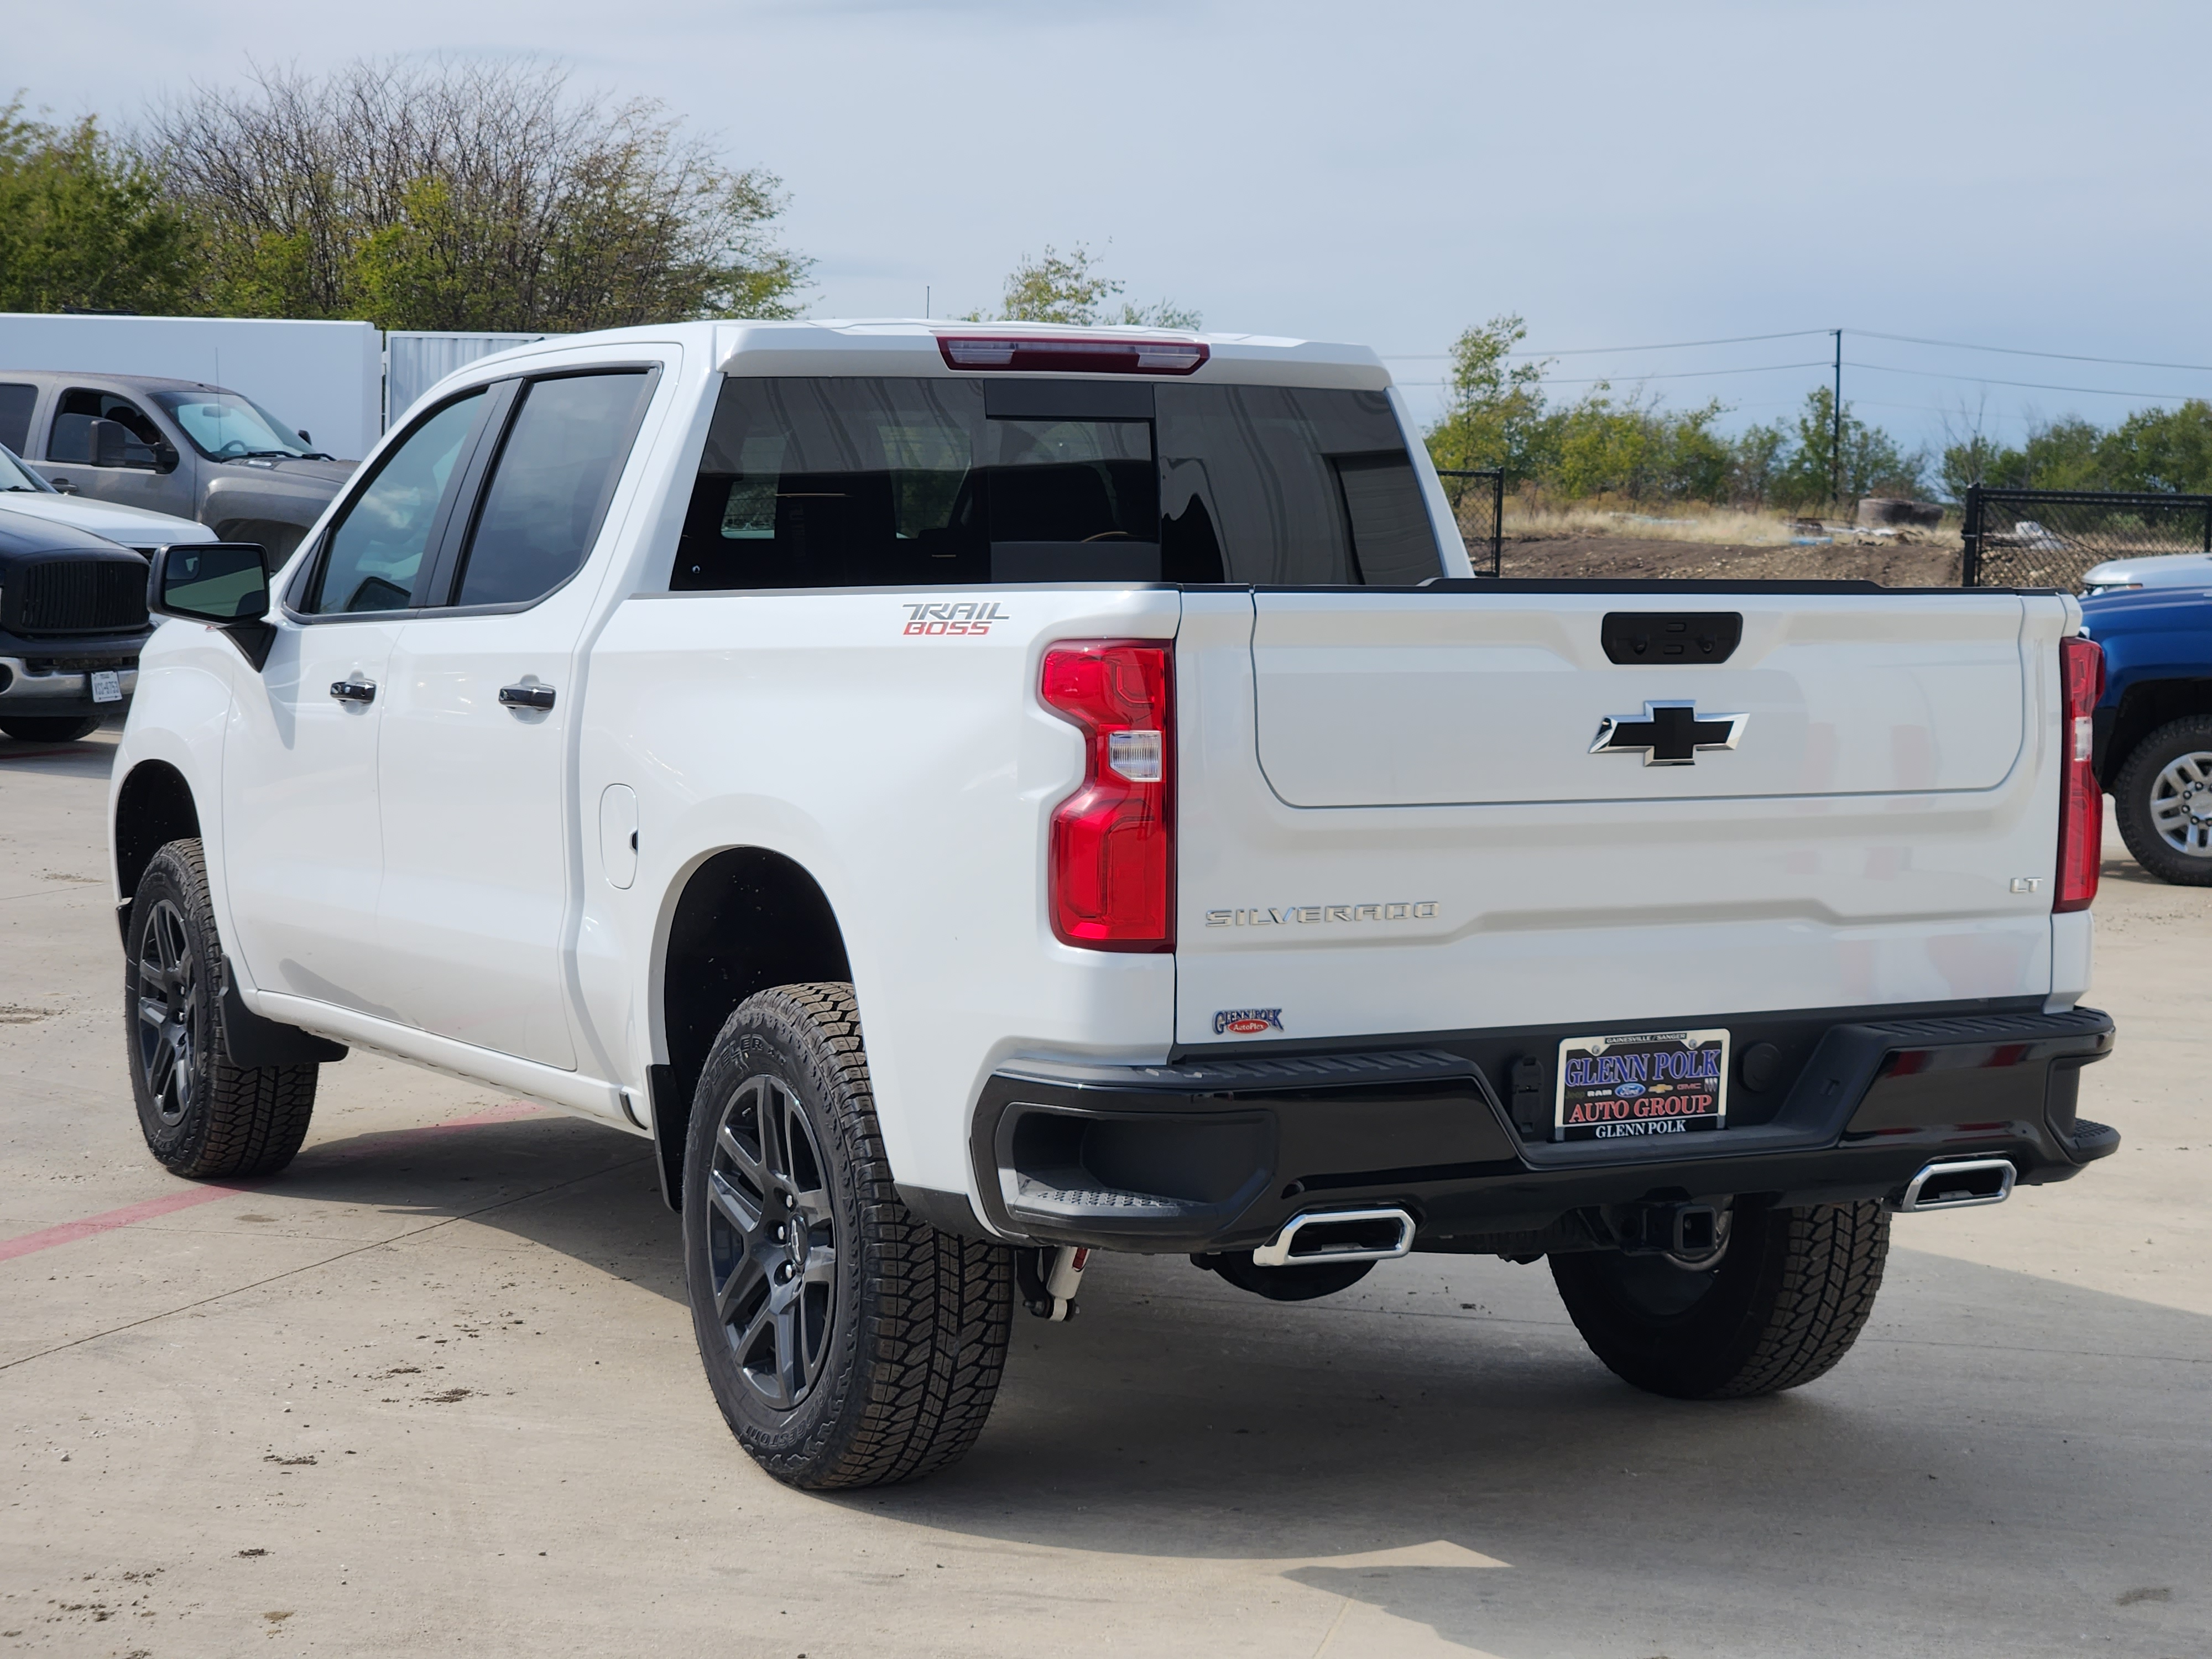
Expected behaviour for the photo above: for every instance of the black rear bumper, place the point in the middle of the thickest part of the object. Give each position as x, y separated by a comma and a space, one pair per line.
1218, 1153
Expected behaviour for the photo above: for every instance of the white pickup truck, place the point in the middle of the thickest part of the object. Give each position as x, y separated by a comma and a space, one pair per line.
977, 795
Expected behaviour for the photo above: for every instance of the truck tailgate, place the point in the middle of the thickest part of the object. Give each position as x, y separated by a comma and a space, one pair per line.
1392, 820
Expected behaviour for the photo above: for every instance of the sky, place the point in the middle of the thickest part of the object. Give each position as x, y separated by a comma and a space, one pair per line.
2026, 174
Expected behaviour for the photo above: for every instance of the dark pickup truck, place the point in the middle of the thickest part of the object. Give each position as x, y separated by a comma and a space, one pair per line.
179, 447
72, 619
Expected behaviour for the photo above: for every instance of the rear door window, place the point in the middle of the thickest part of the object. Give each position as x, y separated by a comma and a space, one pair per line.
16, 403
555, 472
868, 481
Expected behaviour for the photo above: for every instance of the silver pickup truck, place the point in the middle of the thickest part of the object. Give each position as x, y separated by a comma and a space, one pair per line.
179, 447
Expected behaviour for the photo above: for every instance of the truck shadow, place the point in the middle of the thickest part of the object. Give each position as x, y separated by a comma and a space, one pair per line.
2002, 1456
89, 758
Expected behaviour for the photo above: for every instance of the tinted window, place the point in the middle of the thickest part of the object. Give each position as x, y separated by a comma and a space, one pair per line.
868, 482
70, 439
556, 470
1285, 485
884, 483
374, 551
16, 403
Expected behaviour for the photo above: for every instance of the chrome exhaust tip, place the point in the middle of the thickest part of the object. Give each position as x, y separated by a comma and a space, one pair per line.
1959, 1186
1338, 1235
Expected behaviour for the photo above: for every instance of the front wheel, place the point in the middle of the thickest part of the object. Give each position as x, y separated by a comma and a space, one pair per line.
202, 1116
1776, 1306
847, 1343
50, 728
2162, 799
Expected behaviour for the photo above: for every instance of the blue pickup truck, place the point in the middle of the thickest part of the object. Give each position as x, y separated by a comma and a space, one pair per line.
2154, 724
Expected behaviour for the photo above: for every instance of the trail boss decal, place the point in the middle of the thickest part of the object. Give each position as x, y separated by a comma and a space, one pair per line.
955, 618
1247, 1021
1404, 910
1652, 1083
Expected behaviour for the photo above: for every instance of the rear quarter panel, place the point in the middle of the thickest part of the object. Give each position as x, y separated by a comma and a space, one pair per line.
912, 775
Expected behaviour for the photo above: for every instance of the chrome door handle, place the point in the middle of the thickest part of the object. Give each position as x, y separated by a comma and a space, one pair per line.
354, 690
527, 697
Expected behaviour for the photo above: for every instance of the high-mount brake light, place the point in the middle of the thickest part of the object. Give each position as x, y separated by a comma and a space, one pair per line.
1070, 353
2081, 801
1110, 862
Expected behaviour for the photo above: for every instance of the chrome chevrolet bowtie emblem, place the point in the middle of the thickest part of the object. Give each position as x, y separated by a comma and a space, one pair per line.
1669, 734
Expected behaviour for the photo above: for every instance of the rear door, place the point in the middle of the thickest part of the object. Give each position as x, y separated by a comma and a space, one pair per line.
474, 780
1427, 810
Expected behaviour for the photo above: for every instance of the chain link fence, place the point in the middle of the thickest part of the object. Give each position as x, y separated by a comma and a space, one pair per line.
2050, 538
1478, 502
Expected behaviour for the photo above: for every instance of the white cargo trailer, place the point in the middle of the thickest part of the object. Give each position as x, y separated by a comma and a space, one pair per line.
325, 378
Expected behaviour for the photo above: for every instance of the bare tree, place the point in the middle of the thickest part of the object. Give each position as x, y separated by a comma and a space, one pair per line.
465, 195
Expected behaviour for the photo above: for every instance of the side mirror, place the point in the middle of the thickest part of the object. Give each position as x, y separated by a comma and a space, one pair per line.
304, 438
109, 441
225, 584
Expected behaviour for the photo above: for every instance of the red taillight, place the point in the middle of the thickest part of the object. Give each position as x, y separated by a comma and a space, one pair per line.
1070, 353
2081, 802
1111, 862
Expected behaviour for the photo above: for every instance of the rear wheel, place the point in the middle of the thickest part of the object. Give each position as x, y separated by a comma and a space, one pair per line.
1777, 1305
2162, 799
50, 728
202, 1116
847, 1343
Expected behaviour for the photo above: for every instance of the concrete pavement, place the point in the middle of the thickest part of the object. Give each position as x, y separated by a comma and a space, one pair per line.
434, 1390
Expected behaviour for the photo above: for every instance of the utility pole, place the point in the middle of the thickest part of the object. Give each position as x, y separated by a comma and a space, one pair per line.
1836, 429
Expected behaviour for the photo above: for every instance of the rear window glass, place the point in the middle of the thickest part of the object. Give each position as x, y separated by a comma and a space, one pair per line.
864, 482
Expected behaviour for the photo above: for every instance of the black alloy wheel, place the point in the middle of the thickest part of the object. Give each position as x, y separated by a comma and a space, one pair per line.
170, 1013
848, 1342
201, 1115
772, 1241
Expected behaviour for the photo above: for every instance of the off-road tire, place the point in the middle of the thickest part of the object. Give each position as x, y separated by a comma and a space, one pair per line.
50, 728
1784, 1303
202, 1116
917, 1321
2132, 799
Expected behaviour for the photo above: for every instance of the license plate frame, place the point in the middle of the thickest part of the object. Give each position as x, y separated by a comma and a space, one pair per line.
1661, 1085
107, 685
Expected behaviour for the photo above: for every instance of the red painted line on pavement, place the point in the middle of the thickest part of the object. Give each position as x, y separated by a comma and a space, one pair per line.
69, 1233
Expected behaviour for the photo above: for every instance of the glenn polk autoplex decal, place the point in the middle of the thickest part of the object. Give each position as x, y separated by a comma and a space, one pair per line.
1247, 1021
955, 618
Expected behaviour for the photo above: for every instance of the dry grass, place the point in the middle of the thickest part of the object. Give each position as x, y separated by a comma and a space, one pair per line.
1531, 518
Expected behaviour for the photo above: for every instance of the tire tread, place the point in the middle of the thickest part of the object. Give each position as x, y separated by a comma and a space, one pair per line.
253, 1118
930, 1342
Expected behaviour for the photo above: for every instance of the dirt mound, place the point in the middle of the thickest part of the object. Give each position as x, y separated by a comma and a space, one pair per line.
1630, 558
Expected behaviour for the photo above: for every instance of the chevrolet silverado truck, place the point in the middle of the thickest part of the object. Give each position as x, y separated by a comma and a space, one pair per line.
975, 796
